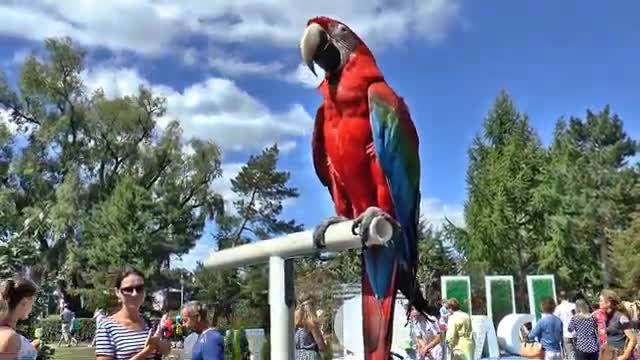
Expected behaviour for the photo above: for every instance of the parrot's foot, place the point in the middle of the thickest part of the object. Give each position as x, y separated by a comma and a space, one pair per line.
320, 230
362, 223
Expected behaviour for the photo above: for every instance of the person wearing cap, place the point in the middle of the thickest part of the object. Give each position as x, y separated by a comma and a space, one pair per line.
459, 333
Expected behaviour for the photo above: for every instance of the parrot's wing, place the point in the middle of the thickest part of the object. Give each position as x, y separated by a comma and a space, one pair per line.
318, 149
396, 144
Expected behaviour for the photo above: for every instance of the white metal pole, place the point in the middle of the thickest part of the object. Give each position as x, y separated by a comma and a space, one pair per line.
281, 308
181, 290
338, 238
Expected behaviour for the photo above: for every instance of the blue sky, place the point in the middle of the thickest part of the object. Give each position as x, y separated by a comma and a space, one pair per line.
231, 71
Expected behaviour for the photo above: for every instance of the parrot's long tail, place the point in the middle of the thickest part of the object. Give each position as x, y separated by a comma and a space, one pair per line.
377, 315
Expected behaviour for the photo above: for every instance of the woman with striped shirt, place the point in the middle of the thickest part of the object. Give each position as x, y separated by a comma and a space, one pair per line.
126, 335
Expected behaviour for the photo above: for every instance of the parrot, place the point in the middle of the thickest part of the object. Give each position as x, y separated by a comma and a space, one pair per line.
365, 151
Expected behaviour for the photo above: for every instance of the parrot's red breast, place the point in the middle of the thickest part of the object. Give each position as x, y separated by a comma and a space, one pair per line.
343, 122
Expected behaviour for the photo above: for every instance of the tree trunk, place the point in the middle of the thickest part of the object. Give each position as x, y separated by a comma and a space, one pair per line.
604, 260
521, 292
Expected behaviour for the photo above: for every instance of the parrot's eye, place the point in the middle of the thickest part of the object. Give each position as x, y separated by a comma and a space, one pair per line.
340, 29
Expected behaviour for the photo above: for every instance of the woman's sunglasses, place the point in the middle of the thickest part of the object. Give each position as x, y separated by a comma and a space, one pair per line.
129, 290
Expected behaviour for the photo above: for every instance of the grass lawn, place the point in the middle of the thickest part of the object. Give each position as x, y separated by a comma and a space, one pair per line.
83, 352
74, 353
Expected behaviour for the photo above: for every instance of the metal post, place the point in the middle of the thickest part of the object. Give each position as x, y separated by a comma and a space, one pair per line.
281, 302
181, 290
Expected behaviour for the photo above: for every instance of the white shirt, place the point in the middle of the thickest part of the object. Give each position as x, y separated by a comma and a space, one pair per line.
565, 311
427, 330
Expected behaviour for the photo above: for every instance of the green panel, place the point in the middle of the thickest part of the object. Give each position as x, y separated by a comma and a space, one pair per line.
501, 299
459, 290
542, 288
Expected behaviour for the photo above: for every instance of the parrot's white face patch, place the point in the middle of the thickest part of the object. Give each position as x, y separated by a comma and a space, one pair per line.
329, 48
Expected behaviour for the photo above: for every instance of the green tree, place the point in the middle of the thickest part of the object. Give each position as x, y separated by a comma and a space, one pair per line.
260, 190
88, 161
626, 257
503, 215
436, 258
590, 193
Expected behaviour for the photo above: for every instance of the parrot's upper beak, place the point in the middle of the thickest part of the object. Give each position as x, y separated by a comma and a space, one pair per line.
314, 41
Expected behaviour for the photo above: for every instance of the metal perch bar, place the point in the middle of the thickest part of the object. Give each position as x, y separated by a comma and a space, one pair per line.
338, 238
278, 252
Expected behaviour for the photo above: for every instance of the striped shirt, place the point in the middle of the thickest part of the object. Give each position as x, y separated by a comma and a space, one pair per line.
116, 341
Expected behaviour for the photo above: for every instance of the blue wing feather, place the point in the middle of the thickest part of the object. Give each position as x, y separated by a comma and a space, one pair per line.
398, 156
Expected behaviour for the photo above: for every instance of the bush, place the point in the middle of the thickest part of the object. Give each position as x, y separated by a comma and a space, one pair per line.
241, 346
228, 344
236, 345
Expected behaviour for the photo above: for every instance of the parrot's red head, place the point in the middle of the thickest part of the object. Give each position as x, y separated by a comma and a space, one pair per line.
330, 44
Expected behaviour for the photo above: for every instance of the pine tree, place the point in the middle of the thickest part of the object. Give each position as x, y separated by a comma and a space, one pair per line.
503, 217
589, 191
260, 189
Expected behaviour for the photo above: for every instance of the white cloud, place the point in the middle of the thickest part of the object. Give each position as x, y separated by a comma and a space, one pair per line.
154, 26
115, 82
5, 115
236, 67
190, 57
215, 109
223, 185
435, 211
303, 75
20, 56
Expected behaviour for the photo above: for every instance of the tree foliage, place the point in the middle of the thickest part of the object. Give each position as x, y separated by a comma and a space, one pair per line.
504, 217
590, 194
437, 258
627, 258
99, 183
255, 214
566, 209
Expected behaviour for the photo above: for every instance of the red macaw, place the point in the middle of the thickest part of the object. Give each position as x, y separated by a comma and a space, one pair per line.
365, 151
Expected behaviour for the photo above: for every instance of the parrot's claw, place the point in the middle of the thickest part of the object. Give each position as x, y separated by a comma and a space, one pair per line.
320, 230
362, 223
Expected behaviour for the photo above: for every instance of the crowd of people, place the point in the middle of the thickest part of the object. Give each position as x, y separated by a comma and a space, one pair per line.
569, 331
577, 331
124, 335
449, 336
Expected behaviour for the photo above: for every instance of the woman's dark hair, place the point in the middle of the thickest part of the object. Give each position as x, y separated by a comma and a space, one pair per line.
126, 272
548, 305
12, 291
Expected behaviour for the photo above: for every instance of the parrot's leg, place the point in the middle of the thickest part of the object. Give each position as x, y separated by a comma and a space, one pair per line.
320, 230
362, 223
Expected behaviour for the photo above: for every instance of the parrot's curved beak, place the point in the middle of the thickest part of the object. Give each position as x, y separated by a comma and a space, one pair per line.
314, 40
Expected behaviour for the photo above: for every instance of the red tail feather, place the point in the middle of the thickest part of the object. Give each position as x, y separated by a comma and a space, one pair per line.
377, 319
